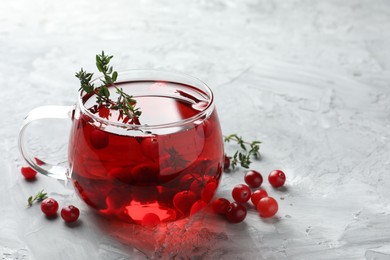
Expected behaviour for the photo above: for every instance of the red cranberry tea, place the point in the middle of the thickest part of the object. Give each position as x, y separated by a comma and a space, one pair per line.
162, 168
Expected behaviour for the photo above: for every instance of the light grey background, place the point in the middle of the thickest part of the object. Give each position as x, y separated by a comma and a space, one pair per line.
310, 79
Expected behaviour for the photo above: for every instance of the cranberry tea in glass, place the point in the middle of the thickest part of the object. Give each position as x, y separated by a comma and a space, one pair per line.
162, 168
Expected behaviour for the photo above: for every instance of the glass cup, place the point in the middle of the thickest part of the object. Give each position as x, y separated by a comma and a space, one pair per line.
165, 167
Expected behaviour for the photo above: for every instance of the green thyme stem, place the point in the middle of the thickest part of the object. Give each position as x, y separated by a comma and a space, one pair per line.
38, 197
125, 103
249, 149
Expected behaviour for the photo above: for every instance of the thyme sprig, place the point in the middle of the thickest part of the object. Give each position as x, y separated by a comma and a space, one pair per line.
248, 150
38, 197
176, 159
125, 103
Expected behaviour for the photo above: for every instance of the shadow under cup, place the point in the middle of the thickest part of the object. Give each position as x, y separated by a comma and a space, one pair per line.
165, 168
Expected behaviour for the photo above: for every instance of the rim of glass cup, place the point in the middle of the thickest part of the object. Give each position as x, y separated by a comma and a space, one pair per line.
158, 75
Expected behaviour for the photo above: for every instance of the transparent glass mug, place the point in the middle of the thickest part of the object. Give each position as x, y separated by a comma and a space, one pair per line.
165, 168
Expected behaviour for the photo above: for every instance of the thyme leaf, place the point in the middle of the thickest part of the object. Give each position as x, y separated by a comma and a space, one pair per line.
37, 197
246, 152
125, 103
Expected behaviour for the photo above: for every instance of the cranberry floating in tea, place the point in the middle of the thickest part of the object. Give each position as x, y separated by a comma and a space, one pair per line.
147, 167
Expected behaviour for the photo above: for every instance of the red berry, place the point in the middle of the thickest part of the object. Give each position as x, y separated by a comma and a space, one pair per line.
99, 139
184, 200
150, 220
241, 193
226, 163
267, 207
104, 112
209, 191
257, 195
236, 213
145, 173
198, 206
220, 206
150, 147
28, 172
70, 213
253, 179
49, 206
197, 184
39, 162
277, 178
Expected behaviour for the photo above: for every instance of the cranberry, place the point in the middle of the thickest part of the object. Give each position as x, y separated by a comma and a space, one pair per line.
226, 163
189, 180
150, 147
267, 207
220, 206
70, 213
198, 205
38, 161
197, 185
104, 112
145, 173
241, 193
236, 213
277, 178
49, 207
28, 172
99, 139
257, 195
184, 200
253, 179
150, 220
209, 191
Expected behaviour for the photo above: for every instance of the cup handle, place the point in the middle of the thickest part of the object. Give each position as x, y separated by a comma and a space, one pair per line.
44, 112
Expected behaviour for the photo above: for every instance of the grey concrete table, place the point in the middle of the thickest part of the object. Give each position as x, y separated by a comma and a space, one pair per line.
310, 79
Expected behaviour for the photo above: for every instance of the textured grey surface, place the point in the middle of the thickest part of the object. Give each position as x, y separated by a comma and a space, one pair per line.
310, 79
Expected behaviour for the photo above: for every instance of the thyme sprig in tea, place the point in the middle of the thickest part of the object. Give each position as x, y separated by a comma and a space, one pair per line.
125, 103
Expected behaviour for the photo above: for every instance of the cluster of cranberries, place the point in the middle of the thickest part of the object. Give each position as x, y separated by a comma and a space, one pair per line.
49, 206
69, 213
235, 212
266, 206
